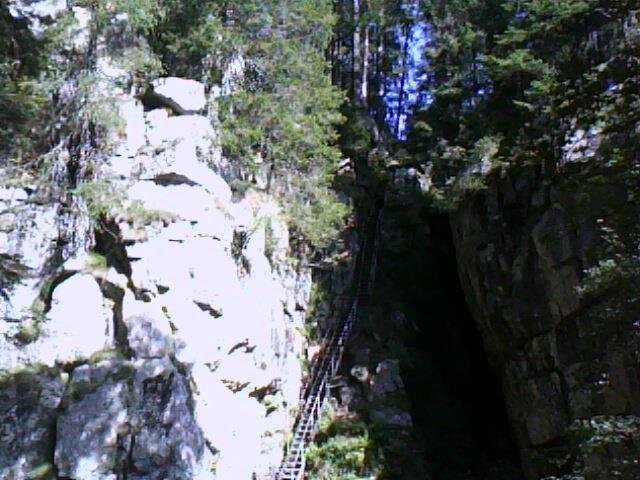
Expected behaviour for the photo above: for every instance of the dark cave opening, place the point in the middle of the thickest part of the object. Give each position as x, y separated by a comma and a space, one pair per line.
455, 396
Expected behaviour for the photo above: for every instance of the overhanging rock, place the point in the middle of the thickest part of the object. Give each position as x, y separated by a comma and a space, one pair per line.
188, 94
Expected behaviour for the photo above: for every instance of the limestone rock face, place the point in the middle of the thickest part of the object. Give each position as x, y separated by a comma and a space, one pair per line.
189, 94
93, 417
569, 363
29, 399
133, 353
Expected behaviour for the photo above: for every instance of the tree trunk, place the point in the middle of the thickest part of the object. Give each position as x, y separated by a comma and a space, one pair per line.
365, 67
403, 78
356, 55
380, 78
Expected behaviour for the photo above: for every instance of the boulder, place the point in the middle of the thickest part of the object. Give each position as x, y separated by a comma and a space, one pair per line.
146, 339
91, 431
189, 94
387, 378
392, 416
29, 399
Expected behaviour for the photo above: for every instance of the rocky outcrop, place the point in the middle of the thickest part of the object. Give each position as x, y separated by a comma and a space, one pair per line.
117, 355
569, 358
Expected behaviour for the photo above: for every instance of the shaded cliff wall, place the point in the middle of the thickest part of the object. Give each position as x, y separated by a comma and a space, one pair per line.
417, 397
569, 360
418, 316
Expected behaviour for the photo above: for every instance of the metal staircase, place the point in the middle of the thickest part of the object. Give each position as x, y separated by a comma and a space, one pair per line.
316, 391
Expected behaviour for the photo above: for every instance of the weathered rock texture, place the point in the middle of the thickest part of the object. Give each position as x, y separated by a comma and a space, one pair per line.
154, 337
569, 363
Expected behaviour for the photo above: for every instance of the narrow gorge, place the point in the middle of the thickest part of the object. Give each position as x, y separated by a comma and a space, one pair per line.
282, 239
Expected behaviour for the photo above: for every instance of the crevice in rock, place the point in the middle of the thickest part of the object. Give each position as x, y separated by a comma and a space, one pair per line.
109, 243
235, 385
205, 307
239, 243
192, 387
152, 100
420, 316
46, 293
53, 439
456, 397
243, 344
172, 179
120, 330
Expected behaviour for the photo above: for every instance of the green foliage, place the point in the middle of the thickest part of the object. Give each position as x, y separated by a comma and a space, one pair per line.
278, 114
138, 215
604, 444
28, 332
618, 267
316, 212
528, 72
44, 471
20, 63
12, 271
68, 104
279, 119
103, 198
517, 62
191, 40
342, 450
96, 263
347, 447
141, 64
598, 432
138, 15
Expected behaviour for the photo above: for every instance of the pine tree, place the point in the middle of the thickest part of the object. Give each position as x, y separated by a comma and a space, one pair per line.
516, 75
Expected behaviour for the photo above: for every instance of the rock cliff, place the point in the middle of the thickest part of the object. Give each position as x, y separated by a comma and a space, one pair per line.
564, 339
164, 344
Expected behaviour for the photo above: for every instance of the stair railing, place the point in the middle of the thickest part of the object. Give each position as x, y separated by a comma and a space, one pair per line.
316, 390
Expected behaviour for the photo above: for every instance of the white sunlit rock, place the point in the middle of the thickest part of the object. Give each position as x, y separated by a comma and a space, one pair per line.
34, 229
80, 34
189, 94
238, 434
162, 128
148, 338
21, 300
79, 262
581, 145
78, 324
186, 202
35, 11
132, 113
38, 8
188, 301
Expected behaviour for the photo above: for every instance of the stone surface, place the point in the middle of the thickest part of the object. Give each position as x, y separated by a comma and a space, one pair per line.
523, 246
166, 439
189, 94
29, 399
392, 416
89, 430
131, 361
387, 378
145, 338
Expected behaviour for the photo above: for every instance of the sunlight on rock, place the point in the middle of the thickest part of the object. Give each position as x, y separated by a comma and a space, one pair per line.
188, 93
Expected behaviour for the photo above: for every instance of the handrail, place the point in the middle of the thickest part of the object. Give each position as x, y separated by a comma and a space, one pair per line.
315, 392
